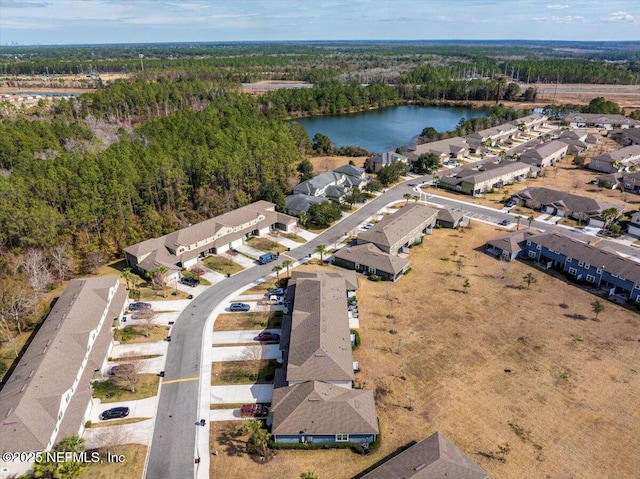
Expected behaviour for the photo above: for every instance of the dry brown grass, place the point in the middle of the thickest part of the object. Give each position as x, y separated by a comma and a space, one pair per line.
134, 455
236, 321
322, 164
566, 409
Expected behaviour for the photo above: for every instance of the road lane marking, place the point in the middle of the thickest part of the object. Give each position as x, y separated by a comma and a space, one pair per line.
180, 380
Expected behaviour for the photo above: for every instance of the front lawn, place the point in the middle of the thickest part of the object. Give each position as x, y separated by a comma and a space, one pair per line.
119, 422
265, 244
106, 391
243, 372
140, 334
294, 237
236, 321
221, 265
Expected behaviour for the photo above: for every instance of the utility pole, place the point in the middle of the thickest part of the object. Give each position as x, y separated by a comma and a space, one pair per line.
141, 56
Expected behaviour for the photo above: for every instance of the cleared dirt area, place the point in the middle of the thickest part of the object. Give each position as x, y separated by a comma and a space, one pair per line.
322, 164
567, 408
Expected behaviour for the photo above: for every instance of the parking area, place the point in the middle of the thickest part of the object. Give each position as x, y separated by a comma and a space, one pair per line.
242, 393
238, 337
245, 353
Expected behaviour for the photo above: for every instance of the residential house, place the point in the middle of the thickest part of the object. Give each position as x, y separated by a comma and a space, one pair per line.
530, 123
368, 258
630, 181
396, 232
356, 177
560, 203
432, 458
332, 185
183, 248
375, 163
487, 176
616, 160
492, 136
450, 148
586, 263
574, 147
597, 120
634, 225
448, 218
320, 184
299, 203
626, 137
576, 134
313, 399
48, 395
546, 154
510, 246
612, 180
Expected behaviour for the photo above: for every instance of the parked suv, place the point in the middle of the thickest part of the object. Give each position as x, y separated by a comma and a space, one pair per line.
239, 307
139, 305
190, 281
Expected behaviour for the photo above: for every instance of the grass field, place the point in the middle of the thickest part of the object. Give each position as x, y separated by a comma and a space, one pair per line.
133, 465
265, 244
567, 408
140, 334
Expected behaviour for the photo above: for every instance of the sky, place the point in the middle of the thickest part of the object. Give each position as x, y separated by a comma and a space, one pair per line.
52, 22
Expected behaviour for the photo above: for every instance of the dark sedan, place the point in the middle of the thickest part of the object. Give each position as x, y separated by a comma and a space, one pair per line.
268, 336
115, 413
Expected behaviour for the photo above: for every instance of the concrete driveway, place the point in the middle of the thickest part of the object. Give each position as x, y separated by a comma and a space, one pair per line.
244, 353
243, 393
140, 408
226, 415
135, 433
237, 337
140, 349
152, 366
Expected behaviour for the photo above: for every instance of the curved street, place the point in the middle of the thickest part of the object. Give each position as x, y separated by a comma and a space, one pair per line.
173, 448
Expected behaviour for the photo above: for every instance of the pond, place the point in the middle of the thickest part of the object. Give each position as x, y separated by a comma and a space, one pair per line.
385, 129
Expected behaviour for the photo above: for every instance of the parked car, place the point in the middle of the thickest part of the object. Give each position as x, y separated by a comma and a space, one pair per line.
254, 410
121, 369
139, 305
114, 413
275, 299
276, 292
504, 223
268, 336
142, 314
510, 203
190, 281
239, 307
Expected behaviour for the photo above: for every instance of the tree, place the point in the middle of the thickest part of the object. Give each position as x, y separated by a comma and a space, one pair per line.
61, 470
61, 262
258, 436
303, 218
287, 263
321, 249
127, 275
530, 220
466, 285
597, 307
407, 197
373, 186
415, 198
322, 144
530, 279
354, 195
309, 475
305, 168
35, 267
512, 92
276, 269
159, 278
128, 376
518, 219
429, 133
325, 213
427, 163
608, 215
389, 174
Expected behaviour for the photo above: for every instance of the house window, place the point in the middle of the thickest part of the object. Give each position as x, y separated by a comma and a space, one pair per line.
532, 254
573, 271
357, 266
528, 243
591, 279
599, 271
636, 286
569, 259
538, 246
342, 437
580, 263
587, 266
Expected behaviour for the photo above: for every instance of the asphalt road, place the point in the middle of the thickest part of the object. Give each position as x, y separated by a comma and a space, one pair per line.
173, 445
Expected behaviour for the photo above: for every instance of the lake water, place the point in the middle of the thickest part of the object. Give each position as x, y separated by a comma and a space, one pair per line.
387, 128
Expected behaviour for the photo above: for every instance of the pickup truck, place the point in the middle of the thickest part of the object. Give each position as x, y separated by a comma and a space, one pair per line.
254, 410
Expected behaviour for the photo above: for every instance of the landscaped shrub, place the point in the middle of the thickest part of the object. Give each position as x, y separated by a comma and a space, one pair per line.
408, 270
375, 277
357, 339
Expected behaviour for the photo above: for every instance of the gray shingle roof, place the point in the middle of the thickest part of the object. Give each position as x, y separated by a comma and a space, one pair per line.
300, 202
599, 118
450, 216
513, 242
321, 408
627, 153
31, 398
448, 146
320, 343
370, 255
318, 182
351, 170
393, 228
565, 201
432, 458
544, 150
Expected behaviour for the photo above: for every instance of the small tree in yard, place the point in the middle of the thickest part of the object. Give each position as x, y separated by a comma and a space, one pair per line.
128, 377
258, 436
276, 269
530, 279
287, 263
597, 307
407, 197
530, 219
159, 278
309, 475
466, 285
321, 249
61, 470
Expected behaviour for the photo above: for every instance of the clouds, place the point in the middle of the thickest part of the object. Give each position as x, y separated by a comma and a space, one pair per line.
107, 21
620, 17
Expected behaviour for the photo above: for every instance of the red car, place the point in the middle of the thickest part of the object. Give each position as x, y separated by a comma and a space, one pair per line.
267, 336
254, 410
